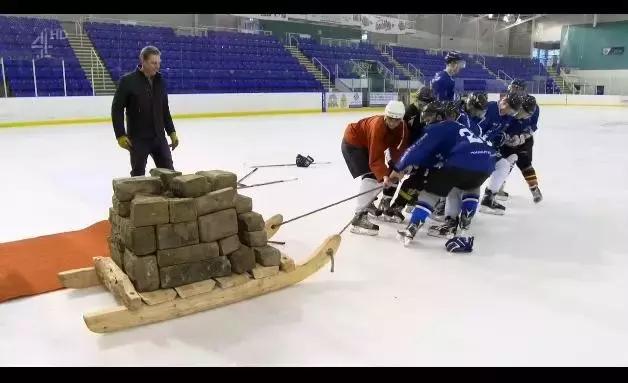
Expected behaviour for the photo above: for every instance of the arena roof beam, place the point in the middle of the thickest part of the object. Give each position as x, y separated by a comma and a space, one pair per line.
522, 22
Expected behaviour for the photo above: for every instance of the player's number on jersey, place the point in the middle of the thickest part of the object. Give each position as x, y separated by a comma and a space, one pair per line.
464, 132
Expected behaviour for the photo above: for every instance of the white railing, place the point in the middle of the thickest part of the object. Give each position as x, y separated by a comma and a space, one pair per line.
502, 73
417, 72
200, 30
339, 42
4, 78
320, 64
385, 72
292, 37
97, 70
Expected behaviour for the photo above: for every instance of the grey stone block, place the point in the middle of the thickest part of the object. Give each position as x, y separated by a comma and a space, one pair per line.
220, 179
187, 254
122, 208
189, 185
142, 271
243, 204
186, 273
165, 175
254, 238
215, 201
250, 221
149, 210
229, 245
126, 188
182, 210
140, 240
242, 260
267, 256
174, 235
218, 225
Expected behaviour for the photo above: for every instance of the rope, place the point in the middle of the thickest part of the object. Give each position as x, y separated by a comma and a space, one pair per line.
327, 207
266, 183
247, 176
276, 165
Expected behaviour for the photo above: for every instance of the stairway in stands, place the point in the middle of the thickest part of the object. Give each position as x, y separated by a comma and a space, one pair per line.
305, 62
91, 63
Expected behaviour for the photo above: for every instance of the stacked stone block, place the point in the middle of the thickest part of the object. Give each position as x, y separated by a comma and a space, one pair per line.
170, 229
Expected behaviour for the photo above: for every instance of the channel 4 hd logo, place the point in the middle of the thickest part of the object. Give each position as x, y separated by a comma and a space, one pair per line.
44, 42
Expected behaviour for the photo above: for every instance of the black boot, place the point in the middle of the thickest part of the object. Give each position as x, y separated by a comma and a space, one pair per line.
490, 206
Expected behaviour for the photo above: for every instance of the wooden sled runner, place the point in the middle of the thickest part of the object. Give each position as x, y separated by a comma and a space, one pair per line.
144, 308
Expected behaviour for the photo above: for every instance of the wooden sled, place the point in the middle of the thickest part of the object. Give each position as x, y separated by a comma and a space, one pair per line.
144, 308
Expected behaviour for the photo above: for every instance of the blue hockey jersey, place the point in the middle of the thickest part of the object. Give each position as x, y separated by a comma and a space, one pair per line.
493, 125
526, 125
470, 122
455, 144
443, 86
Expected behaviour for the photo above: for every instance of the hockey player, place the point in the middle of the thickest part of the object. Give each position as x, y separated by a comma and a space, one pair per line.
519, 141
468, 162
410, 187
517, 86
473, 111
499, 116
412, 117
363, 146
452, 113
413, 113
443, 84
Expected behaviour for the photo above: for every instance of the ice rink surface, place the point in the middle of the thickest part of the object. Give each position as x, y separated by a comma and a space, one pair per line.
547, 284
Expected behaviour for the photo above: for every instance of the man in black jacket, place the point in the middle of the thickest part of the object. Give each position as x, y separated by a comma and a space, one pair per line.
143, 94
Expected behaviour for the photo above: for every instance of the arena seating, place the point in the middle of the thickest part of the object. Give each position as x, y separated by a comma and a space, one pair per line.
23, 40
222, 62
517, 67
340, 57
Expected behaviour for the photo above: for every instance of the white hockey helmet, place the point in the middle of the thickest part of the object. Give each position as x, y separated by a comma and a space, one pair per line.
395, 109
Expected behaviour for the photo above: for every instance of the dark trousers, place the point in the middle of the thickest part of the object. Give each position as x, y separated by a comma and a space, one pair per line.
523, 152
156, 147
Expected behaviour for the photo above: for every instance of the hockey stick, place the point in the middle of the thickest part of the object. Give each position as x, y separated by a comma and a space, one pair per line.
266, 183
277, 165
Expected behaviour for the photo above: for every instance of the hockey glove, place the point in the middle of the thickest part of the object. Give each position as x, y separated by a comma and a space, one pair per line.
174, 139
304, 162
124, 142
460, 245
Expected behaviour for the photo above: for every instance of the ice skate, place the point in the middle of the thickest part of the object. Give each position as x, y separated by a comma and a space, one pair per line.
407, 235
361, 225
393, 214
502, 195
438, 214
446, 230
490, 206
372, 210
536, 194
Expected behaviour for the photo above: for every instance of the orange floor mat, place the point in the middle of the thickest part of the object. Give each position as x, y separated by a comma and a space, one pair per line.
30, 266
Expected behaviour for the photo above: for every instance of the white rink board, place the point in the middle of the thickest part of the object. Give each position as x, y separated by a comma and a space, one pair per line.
23, 109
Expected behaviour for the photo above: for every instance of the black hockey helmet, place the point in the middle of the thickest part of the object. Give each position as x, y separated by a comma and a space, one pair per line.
476, 104
528, 107
425, 95
514, 101
433, 112
453, 56
451, 110
517, 85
